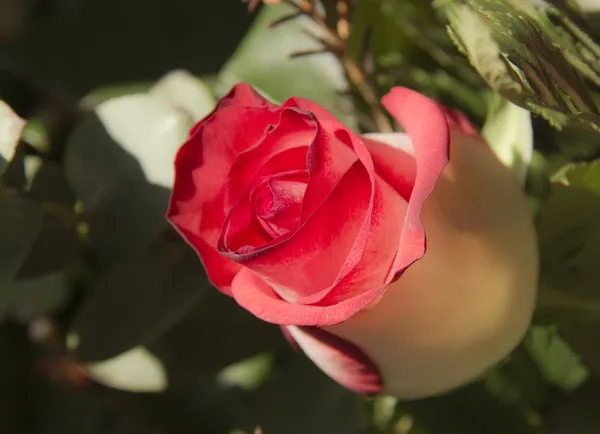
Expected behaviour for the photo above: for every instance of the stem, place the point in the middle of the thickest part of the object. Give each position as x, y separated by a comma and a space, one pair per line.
336, 42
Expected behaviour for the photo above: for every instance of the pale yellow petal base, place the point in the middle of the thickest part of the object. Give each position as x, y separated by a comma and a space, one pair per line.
468, 303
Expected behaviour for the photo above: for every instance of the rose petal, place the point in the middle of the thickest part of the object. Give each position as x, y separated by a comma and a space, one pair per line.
311, 258
327, 160
425, 122
197, 200
468, 302
243, 230
326, 119
256, 296
375, 266
344, 362
282, 208
242, 214
294, 129
394, 164
240, 95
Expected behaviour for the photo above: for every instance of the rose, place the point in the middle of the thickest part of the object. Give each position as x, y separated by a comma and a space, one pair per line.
398, 262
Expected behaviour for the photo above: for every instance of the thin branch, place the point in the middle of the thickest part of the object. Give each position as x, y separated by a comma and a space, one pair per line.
343, 24
335, 41
253, 5
304, 53
285, 19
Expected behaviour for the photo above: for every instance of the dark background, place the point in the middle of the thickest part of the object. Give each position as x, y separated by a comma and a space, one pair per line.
79, 45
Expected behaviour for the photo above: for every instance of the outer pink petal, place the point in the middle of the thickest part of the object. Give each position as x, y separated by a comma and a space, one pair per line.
197, 208
375, 265
244, 95
326, 119
240, 95
255, 295
425, 121
344, 362
396, 166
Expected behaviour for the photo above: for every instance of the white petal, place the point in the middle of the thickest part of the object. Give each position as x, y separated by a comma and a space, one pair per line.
469, 301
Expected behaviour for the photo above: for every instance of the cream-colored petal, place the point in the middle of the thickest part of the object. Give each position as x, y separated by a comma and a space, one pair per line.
469, 301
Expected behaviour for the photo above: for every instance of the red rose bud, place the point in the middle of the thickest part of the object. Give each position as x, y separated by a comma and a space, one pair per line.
400, 263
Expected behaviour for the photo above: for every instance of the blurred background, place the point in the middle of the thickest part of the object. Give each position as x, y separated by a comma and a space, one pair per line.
76, 46
108, 324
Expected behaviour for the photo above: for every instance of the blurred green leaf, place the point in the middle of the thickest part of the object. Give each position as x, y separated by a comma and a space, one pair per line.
138, 299
185, 92
585, 176
569, 241
474, 38
10, 132
247, 374
263, 60
300, 399
20, 223
27, 299
218, 334
583, 339
469, 410
519, 382
136, 370
405, 43
509, 132
99, 96
588, 6
556, 359
119, 163
179, 358
58, 244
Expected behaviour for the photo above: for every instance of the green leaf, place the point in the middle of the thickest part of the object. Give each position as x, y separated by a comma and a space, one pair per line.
475, 39
300, 399
99, 96
509, 132
58, 244
262, 59
136, 370
28, 299
585, 176
11, 126
583, 339
138, 300
218, 334
471, 409
569, 240
247, 374
588, 6
560, 365
216, 339
119, 163
20, 223
185, 92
